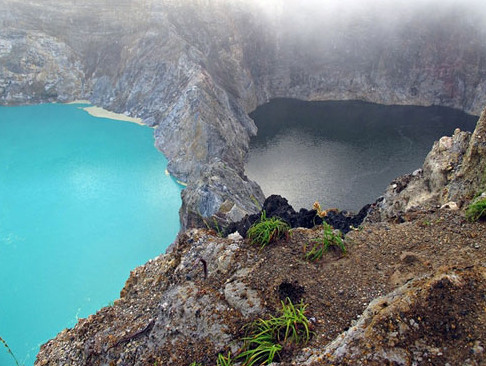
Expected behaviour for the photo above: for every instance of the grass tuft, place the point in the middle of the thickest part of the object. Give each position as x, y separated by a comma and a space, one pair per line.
476, 210
269, 337
224, 361
321, 246
266, 230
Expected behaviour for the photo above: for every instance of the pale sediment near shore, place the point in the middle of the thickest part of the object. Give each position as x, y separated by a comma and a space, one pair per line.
103, 113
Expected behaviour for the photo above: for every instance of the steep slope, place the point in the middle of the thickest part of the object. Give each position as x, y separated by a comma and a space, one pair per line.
405, 294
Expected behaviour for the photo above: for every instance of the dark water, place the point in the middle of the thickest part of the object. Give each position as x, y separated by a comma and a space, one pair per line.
342, 153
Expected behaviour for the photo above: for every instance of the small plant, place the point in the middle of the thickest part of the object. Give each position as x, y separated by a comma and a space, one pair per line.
266, 230
255, 201
262, 350
294, 322
476, 210
224, 361
214, 226
269, 337
9, 350
321, 246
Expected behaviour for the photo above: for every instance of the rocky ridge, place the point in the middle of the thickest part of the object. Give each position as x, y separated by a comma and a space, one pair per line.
194, 70
404, 294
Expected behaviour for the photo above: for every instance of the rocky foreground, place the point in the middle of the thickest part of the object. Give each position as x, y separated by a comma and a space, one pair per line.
409, 290
404, 294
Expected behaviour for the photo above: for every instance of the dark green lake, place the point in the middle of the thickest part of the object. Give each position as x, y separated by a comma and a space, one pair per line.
342, 153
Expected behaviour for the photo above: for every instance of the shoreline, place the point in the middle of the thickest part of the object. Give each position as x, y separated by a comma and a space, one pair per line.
177, 181
103, 113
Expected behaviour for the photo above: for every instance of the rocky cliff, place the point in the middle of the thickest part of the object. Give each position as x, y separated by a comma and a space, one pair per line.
405, 294
195, 69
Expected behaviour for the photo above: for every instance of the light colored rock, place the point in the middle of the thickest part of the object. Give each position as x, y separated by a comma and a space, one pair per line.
242, 298
235, 236
451, 205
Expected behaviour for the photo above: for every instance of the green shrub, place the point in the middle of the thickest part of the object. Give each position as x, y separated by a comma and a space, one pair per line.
266, 230
329, 239
476, 210
268, 337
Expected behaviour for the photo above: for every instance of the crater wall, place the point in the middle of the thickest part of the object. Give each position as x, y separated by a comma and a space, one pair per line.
193, 70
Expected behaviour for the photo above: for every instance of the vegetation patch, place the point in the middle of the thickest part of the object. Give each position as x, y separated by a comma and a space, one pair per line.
266, 230
269, 337
476, 210
330, 239
266, 339
224, 360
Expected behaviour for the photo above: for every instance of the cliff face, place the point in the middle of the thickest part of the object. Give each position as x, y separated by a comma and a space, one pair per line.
194, 70
406, 55
48, 69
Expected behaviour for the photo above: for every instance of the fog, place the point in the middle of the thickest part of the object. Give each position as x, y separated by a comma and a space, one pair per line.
311, 16
320, 10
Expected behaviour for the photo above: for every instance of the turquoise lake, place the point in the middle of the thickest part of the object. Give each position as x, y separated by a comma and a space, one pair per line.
83, 200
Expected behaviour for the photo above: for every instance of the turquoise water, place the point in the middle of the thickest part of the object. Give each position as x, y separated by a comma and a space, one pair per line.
83, 200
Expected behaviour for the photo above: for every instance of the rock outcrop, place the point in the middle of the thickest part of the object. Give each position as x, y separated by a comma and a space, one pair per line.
454, 171
195, 69
37, 68
278, 206
421, 323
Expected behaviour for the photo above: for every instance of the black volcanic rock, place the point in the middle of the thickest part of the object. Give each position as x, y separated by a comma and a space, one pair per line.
278, 206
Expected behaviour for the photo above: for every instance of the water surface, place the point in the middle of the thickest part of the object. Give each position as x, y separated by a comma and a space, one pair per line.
342, 153
83, 200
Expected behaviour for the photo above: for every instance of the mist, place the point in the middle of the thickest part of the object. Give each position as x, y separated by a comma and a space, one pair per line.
320, 11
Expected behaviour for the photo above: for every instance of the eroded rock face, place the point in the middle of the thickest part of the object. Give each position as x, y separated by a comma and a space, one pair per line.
195, 69
35, 68
453, 171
